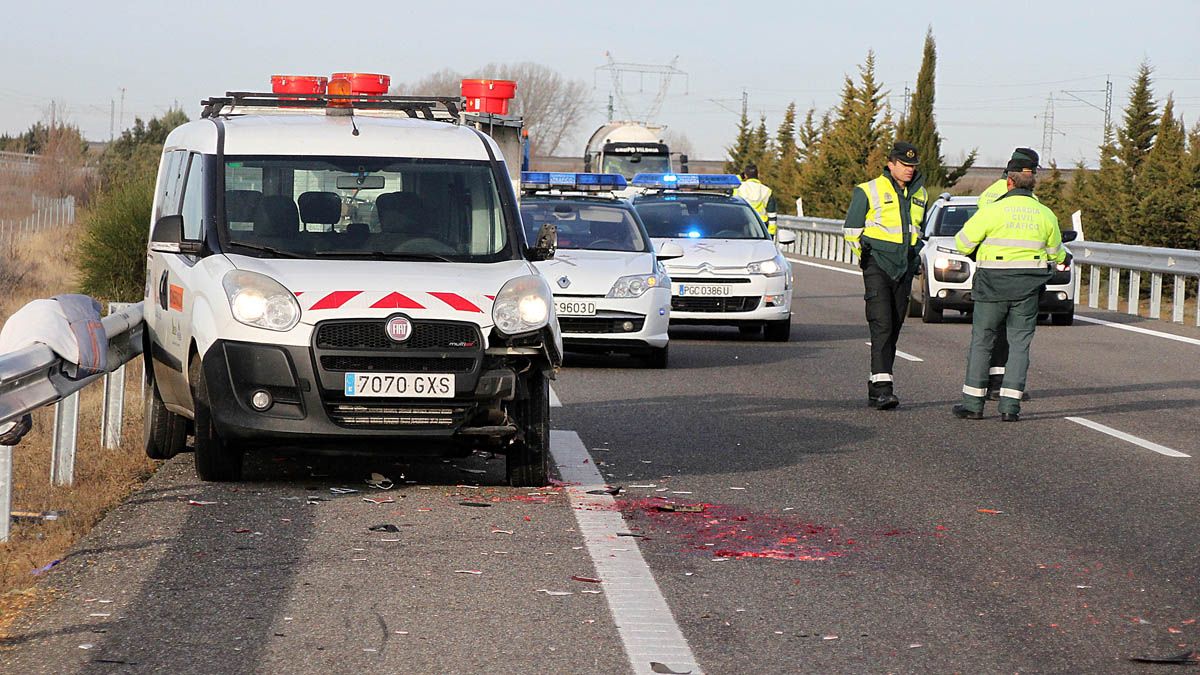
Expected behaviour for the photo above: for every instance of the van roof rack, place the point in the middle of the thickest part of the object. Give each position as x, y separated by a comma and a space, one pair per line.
438, 108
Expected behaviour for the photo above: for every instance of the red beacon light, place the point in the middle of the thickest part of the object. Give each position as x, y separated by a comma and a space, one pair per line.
488, 96
298, 84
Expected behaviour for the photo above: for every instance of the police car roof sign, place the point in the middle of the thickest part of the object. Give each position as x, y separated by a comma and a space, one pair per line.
687, 181
549, 180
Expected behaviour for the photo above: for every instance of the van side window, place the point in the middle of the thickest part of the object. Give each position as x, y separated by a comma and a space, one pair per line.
193, 200
171, 184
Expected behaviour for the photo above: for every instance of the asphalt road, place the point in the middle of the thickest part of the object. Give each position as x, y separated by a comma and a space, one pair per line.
809, 534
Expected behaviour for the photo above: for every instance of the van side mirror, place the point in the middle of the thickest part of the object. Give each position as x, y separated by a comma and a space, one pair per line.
168, 237
1069, 235
670, 251
546, 244
786, 236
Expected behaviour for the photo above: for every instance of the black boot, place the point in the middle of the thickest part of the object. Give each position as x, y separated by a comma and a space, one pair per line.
993, 388
880, 396
960, 411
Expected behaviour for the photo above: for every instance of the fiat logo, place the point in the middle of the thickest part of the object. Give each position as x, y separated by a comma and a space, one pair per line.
398, 328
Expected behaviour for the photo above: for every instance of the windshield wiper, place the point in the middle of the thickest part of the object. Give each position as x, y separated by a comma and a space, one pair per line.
265, 249
380, 255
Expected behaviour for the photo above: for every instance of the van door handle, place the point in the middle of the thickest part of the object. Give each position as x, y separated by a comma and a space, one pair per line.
162, 290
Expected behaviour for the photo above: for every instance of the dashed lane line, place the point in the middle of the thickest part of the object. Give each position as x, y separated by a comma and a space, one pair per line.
824, 267
1129, 438
1138, 329
643, 619
904, 355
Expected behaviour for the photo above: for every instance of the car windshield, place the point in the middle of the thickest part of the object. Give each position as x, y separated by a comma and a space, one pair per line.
699, 217
952, 217
365, 206
585, 225
631, 165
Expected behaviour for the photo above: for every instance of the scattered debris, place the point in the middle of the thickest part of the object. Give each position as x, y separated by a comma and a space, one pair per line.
197, 502
736, 488
342, 490
483, 505
475, 471
614, 491
242, 530
496, 531
681, 508
830, 637
475, 572
381, 482
590, 580
379, 500
915, 645
384, 527
45, 568
989, 511
86, 645
35, 516
1189, 657
314, 499
647, 485
667, 670
548, 592
632, 534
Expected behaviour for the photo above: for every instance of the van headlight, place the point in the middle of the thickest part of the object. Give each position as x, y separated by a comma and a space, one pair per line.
522, 305
635, 286
769, 268
260, 301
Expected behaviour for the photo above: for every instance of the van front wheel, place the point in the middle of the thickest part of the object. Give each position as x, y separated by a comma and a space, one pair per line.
217, 460
528, 461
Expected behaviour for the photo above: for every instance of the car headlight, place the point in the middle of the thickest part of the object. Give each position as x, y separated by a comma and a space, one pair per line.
942, 262
770, 268
260, 301
522, 305
635, 286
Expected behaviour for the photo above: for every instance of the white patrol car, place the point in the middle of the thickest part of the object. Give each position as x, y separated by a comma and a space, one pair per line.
344, 272
611, 292
731, 271
946, 276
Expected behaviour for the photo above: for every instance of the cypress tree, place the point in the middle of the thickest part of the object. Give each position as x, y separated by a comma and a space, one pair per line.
1141, 121
1050, 193
920, 128
1167, 201
761, 148
785, 171
742, 146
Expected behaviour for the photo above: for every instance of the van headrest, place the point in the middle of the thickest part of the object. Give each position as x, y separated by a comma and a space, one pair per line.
241, 204
320, 207
276, 216
399, 212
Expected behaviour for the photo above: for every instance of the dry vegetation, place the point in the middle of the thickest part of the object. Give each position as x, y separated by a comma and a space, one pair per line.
37, 267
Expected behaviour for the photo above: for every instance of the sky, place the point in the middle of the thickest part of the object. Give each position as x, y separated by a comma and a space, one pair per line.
999, 64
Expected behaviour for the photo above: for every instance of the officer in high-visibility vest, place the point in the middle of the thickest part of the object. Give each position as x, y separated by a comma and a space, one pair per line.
1016, 242
759, 197
1000, 350
883, 226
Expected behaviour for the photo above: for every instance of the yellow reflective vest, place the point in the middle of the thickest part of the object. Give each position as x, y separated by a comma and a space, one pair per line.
1016, 232
993, 192
883, 222
758, 196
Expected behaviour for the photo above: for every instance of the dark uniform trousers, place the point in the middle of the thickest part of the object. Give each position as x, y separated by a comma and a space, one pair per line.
887, 305
1016, 320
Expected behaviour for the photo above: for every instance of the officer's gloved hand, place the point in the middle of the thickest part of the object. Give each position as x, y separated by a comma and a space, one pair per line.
1068, 260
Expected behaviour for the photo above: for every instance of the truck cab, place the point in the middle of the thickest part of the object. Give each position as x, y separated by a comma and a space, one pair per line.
344, 271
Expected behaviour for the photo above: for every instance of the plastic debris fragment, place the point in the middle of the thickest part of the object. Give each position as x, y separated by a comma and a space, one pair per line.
342, 490
475, 572
381, 482
379, 500
1191, 656
45, 568
667, 670
197, 502
385, 527
475, 504
590, 580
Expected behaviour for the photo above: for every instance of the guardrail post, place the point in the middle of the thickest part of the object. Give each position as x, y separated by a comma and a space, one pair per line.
1155, 295
1177, 299
112, 409
1135, 291
6, 475
1093, 286
1077, 283
1114, 288
66, 432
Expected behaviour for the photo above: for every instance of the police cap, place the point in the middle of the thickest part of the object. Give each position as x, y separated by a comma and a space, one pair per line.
905, 153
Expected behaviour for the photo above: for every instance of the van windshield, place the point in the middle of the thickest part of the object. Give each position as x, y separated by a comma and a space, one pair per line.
365, 206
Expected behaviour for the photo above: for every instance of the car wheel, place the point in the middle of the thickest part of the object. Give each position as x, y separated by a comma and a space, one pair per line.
779, 331
1064, 319
914, 306
929, 313
657, 357
164, 434
216, 459
527, 463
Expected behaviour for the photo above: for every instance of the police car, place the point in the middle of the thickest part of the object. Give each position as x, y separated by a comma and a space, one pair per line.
611, 293
945, 277
345, 271
731, 271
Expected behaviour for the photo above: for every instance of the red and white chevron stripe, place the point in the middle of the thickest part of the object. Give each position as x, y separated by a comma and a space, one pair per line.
432, 300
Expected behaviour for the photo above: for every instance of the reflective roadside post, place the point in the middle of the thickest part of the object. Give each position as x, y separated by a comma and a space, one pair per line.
112, 409
6, 472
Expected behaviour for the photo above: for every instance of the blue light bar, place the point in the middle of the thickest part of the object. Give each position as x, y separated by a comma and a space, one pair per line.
532, 181
687, 181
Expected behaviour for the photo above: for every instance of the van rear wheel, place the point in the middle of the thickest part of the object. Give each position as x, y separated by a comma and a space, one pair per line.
217, 460
164, 434
527, 463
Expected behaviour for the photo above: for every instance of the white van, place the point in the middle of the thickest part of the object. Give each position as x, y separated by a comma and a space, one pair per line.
348, 274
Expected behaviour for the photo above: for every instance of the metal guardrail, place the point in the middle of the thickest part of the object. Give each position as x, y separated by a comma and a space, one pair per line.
822, 238
35, 376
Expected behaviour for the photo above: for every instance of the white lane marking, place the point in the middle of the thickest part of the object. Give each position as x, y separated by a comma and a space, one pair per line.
905, 355
1160, 449
554, 402
1136, 329
644, 620
825, 267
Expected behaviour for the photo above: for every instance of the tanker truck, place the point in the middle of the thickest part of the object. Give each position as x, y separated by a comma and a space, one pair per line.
629, 148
